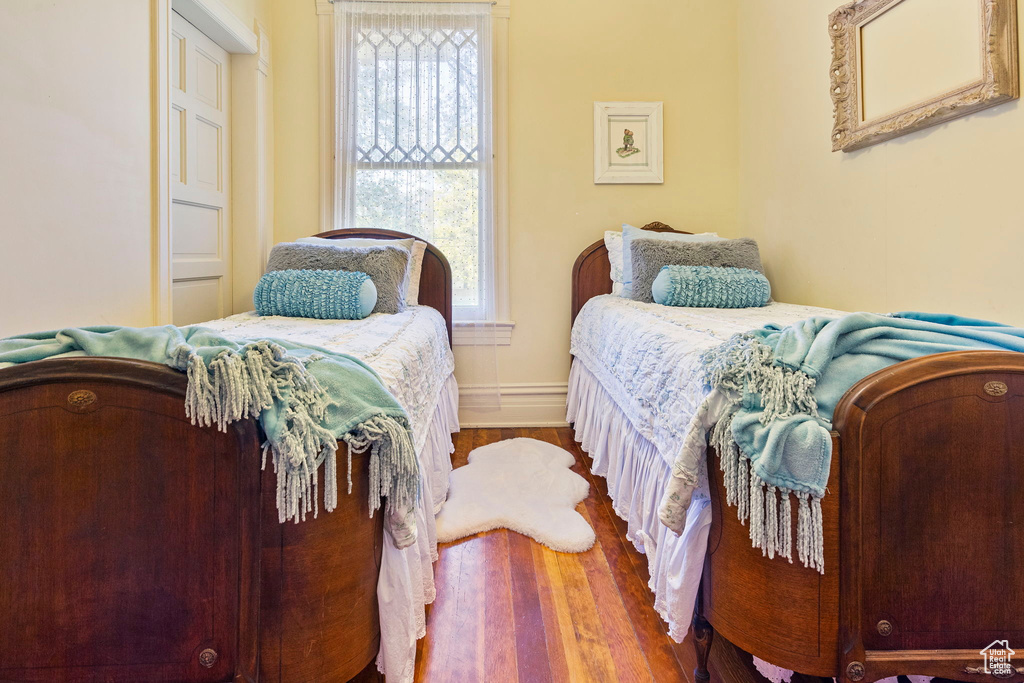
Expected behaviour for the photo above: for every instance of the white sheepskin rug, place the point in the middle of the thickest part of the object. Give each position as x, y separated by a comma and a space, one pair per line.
520, 484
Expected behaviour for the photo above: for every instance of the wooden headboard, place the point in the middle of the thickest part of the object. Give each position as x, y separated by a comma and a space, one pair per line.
435, 278
592, 273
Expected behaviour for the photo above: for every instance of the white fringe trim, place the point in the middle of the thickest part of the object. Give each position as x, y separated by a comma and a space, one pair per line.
744, 364
236, 386
767, 507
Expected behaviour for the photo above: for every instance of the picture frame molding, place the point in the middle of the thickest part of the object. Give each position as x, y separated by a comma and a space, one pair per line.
654, 170
999, 81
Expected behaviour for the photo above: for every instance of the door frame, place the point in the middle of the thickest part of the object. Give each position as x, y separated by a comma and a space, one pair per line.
250, 50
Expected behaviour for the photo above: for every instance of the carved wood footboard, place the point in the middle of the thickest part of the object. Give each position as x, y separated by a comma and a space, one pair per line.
932, 521
924, 528
135, 546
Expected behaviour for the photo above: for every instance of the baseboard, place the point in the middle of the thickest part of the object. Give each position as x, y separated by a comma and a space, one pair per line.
522, 405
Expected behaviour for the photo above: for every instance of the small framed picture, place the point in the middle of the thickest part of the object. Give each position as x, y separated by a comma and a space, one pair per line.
627, 142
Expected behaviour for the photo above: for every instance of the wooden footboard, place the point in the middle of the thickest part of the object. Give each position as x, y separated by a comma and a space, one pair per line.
135, 546
923, 524
924, 531
933, 517
782, 612
319, 618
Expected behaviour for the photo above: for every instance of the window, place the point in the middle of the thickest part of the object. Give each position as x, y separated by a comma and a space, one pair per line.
414, 122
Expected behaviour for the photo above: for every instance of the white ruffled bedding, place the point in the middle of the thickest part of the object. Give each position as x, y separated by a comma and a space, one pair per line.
637, 474
411, 354
408, 350
648, 356
633, 391
634, 388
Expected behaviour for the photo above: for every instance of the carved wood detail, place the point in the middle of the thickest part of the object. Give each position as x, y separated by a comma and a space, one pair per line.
998, 83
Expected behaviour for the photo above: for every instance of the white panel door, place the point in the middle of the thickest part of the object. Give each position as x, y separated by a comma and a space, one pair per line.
200, 142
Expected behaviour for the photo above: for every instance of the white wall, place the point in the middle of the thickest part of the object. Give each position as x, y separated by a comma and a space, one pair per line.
927, 221
75, 171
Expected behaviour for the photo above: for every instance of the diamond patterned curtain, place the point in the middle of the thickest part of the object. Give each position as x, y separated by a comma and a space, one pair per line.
414, 132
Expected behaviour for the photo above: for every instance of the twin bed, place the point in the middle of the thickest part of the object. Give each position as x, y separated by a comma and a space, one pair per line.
135, 546
922, 519
125, 555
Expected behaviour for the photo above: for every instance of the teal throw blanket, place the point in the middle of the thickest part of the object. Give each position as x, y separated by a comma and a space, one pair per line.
781, 387
306, 399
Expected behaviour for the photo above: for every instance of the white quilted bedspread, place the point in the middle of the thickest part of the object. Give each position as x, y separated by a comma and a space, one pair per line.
648, 356
408, 350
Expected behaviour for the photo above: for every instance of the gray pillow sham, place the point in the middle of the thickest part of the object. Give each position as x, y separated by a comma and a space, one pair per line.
649, 255
386, 266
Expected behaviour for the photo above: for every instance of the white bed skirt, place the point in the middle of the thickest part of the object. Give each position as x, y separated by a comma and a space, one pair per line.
637, 475
406, 583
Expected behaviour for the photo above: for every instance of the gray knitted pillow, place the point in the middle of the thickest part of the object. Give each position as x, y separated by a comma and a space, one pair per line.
648, 256
386, 266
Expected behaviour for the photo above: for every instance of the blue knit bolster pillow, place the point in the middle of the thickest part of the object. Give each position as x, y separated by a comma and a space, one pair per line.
710, 287
324, 294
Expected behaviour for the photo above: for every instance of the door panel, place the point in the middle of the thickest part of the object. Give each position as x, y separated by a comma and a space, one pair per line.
178, 138
208, 154
177, 59
200, 221
208, 78
196, 299
197, 235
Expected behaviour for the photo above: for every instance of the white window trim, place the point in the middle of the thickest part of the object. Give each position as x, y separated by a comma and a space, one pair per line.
500, 333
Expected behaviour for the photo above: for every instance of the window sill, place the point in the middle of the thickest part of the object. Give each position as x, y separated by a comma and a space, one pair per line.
498, 333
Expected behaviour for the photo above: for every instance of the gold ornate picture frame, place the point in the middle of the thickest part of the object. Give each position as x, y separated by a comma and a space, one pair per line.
997, 44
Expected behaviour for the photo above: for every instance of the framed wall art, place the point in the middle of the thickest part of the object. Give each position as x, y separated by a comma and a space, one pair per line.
628, 142
902, 65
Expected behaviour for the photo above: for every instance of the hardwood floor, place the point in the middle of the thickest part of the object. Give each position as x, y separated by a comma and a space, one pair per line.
509, 609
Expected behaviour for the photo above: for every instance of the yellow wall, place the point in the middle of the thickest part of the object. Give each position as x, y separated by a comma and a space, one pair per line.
563, 56
75, 165
296, 120
928, 221
250, 11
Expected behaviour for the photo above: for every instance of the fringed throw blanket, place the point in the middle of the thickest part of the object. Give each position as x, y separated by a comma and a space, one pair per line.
305, 398
768, 416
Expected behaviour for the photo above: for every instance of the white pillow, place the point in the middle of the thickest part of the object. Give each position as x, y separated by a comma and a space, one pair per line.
412, 291
630, 233
415, 247
613, 241
358, 242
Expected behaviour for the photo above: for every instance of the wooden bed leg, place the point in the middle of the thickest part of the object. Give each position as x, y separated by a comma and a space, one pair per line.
703, 634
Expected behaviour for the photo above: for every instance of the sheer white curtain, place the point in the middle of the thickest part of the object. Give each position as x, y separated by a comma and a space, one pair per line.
414, 132
414, 146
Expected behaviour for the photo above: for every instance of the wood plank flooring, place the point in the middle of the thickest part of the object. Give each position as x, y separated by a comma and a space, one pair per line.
510, 610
